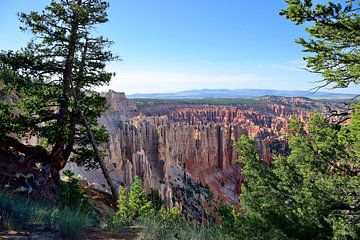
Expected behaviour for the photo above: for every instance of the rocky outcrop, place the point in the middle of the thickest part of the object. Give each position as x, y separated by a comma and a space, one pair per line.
27, 170
120, 110
179, 160
186, 151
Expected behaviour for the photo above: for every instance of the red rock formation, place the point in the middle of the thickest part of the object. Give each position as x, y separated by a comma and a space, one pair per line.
190, 148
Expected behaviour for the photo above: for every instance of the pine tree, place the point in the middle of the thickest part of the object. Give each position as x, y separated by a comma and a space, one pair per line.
334, 42
139, 204
122, 216
315, 192
155, 199
51, 81
134, 206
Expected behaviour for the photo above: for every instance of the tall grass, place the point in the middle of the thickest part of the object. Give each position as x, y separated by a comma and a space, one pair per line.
155, 227
22, 213
71, 222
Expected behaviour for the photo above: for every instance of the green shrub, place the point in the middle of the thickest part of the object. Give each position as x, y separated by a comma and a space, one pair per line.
76, 213
168, 224
70, 222
246, 227
71, 195
162, 225
139, 205
122, 216
155, 199
133, 207
17, 210
200, 232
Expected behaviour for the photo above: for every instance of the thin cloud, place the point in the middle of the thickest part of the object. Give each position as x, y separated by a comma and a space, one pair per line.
146, 82
294, 65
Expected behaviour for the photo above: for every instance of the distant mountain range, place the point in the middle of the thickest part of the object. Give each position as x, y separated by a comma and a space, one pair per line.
240, 93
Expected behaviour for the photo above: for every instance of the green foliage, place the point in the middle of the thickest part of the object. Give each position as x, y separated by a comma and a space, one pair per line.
71, 196
157, 223
350, 134
73, 215
85, 155
314, 192
316, 189
168, 224
52, 77
228, 215
161, 225
334, 42
133, 207
249, 227
139, 204
70, 222
155, 199
19, 212
123, 215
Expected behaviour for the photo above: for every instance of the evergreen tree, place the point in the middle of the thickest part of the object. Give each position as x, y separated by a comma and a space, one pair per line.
155, 199
134, 206
51, 81
315, 192
139, 204
334, 42
122, 216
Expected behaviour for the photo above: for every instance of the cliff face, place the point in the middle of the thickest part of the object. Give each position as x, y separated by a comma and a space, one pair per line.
186, 163
186, 152
120, 110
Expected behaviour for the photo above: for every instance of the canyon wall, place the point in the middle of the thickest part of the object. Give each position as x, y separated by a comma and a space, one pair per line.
186, 151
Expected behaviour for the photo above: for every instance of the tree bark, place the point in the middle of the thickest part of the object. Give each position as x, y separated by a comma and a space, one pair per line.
108, 179
59, 154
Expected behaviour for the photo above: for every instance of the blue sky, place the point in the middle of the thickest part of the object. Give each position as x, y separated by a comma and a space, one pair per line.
177, 45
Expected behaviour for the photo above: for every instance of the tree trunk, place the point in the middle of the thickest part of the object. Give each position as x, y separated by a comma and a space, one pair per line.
108, 179
59, 154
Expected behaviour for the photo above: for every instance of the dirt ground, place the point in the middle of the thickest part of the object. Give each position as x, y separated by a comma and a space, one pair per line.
96, 233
